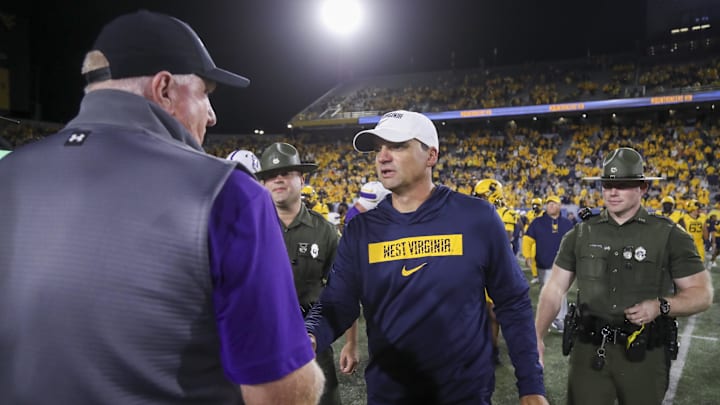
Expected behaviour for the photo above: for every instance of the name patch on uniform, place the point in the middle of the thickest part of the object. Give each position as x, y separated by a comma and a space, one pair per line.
416, 247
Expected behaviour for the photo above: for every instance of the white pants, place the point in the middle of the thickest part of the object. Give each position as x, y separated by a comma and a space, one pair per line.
544, 276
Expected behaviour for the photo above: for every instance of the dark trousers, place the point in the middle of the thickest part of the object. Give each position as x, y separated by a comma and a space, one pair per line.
632, 383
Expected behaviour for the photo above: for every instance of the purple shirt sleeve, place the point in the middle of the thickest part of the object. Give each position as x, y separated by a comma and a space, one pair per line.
350, 214
262, 333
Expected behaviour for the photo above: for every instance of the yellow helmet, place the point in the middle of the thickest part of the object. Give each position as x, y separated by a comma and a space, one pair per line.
536, 201
491, 190
668, 199
692, 205
307, 192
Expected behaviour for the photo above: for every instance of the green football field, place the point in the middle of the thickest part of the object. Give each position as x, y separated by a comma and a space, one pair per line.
695, 376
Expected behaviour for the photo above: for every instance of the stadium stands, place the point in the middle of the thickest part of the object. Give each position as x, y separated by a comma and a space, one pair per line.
532, 158
531, 162
532, 84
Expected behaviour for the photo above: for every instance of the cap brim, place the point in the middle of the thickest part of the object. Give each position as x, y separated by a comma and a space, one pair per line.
621, 179
364, 141
302, 168
222, 76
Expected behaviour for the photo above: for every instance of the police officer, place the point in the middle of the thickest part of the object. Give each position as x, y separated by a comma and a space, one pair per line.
311, 242
626, 262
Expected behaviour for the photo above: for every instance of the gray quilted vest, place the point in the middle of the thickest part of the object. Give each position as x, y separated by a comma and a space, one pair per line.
105, 288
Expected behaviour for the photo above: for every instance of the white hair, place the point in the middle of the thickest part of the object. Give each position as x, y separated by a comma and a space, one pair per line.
137, 85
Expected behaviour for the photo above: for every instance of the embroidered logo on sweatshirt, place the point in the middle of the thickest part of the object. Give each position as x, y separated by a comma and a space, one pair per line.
409, 272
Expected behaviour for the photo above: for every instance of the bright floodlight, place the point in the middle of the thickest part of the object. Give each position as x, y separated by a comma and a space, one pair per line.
341, 16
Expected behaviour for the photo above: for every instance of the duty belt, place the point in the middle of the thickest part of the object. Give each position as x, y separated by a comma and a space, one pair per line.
591, 330
616, 335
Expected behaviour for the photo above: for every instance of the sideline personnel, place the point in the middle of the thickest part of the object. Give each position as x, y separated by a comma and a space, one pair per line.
419, 264
626, 262
541, 243
311, 242
135, 267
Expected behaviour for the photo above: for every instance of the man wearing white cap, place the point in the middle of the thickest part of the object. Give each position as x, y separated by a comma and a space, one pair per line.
371, 194
419, 264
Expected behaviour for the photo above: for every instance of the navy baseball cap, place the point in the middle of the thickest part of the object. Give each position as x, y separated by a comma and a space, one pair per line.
144, 43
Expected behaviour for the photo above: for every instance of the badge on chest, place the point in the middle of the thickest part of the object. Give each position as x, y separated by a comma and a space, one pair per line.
639, 253
307, 249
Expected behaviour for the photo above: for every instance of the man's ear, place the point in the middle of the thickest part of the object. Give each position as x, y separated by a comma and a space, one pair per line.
159, 91
432, 157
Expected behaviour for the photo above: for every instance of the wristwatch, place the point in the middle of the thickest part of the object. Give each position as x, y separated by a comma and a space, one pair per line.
664, 306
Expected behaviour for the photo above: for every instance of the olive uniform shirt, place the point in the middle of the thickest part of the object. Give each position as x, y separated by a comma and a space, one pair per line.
311, 242
617, 266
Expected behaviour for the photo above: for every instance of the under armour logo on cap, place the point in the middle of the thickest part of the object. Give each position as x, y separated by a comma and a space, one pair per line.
76, 138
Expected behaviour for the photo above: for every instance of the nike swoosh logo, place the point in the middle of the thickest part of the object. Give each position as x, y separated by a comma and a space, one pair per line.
408, 272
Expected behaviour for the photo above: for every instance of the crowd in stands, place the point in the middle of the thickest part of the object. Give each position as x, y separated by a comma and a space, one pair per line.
26, 132
529, 163
531, 84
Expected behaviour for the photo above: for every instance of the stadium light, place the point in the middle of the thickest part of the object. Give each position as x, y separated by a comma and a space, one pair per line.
342, 17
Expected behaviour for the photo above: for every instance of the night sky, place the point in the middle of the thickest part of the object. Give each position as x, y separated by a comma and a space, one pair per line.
292, 60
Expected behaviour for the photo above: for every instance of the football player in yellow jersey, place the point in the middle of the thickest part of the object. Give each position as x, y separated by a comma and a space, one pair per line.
310, 198
668, 209
694, 223
536, 211
492, 191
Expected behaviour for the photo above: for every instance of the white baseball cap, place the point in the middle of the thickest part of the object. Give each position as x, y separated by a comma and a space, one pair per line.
398, 126
371, 194
246, 158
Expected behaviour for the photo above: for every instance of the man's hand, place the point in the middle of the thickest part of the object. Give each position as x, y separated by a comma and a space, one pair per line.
644, 312
533, 400
349, 358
